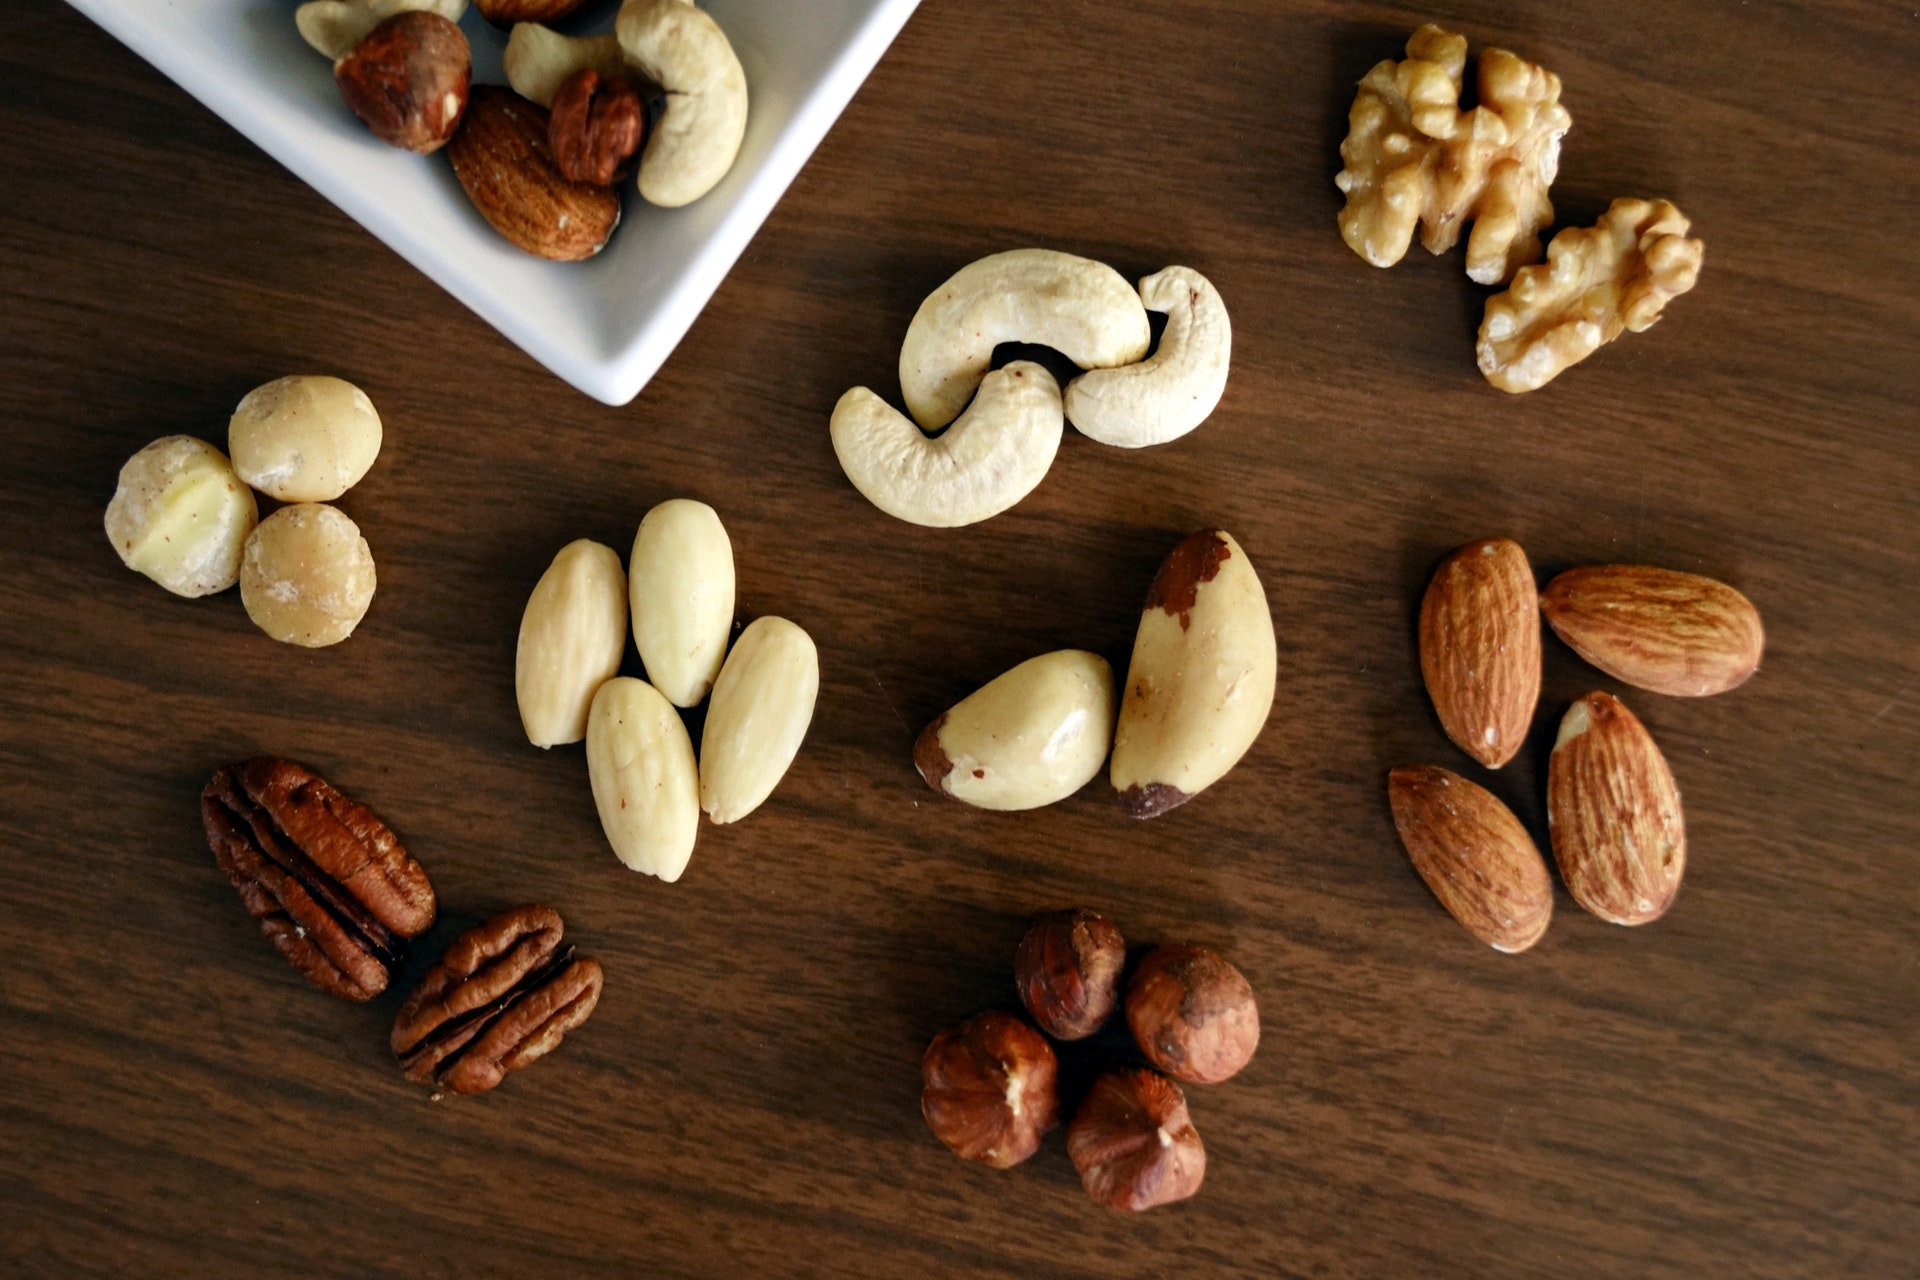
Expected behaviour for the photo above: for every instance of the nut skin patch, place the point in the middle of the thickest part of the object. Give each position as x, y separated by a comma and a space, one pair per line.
930, 758
1152, 800
1193, 563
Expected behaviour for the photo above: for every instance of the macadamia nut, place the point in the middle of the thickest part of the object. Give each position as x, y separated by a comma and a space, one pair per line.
181, 516
307, 575
304, 438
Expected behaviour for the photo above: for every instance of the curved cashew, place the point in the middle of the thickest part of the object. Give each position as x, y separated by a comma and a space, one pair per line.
333, 27
539, 59
1081, 308
693, 144
1163, 398
990, 459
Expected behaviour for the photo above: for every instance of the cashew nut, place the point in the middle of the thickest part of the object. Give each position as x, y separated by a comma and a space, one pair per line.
990, 459
333, 27
1163, 398
539, 59
693, 144
1081, 308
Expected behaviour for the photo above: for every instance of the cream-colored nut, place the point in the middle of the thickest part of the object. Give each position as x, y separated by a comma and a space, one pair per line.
304, 438
572, 635
1032, 736
762, 705
1081, 308
333, 27
694, 142
1200, 684
181, 516
1413, 158
1597, 283
991, 458
1161, 398
539, 59
307, 575
681, 583
645, 784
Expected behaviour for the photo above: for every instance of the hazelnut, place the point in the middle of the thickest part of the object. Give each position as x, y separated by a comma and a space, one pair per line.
1193, 1014
407, 80
306, 576
1133, 1143
595, 128
990, 1089
1068, 971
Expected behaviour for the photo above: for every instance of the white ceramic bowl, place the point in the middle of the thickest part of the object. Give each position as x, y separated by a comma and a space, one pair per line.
603, 325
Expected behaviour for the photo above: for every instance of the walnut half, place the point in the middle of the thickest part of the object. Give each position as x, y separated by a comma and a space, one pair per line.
1413, 157
1596, 283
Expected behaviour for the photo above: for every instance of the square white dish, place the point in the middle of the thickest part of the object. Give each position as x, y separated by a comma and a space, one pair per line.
604, 325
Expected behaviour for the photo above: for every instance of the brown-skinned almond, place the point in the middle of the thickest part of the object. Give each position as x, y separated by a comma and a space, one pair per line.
504, 160
505, 13
1474, 854
1659, 629
1480, 648
1614, 814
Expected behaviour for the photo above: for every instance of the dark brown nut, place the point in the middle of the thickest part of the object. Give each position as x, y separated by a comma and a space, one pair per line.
991, 1089
504, 13
504, 161
1068, 971
504, 995
1193, 1014
328, 882
1133, 1143
407, 80
596, 125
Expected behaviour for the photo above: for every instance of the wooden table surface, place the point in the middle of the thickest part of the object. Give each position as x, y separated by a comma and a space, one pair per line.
1729, 1092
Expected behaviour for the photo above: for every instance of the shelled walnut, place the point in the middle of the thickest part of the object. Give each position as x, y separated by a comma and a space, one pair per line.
1597, 283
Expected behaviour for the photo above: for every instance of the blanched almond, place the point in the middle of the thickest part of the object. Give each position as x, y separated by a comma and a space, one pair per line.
645, 783
762, 705
682, 593
571, 638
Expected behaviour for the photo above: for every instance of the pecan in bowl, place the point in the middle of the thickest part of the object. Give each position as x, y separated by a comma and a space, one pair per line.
328, 881
504, 995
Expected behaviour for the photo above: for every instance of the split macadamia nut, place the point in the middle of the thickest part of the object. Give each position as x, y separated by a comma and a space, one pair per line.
181, 516
307, 576
1193, 1014
1034, 735
571, 638
1067, 969
304, 438
680, 582
990, 1089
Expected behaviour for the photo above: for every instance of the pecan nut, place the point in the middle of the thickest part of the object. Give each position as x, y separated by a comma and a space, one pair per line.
329, 883
595, 127
503, 995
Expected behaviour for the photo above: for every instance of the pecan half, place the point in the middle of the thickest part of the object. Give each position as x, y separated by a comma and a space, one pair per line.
504, 994
327, 880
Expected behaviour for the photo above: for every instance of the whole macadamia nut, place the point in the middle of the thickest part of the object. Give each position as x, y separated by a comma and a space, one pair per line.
181, 516
1193, 1014
307, 575
1068, 971
305, 438
990, 1089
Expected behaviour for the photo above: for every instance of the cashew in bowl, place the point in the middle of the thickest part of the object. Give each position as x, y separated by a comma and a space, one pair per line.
1161, 399
990, 459
333, 27
538, 60
1081, 308
698, 135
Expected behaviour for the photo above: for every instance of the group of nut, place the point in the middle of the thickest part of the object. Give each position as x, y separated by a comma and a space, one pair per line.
337, 894
183, 514
540, 163
1414, 158
996, 452
991, 1086
1199, 689
1613, 810
647, 786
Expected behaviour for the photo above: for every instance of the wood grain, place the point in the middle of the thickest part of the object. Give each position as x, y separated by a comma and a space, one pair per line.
1731, 1091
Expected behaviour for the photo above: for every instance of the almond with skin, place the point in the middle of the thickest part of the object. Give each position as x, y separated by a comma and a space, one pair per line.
1480, 648
503, 158
1660, 629
1614, 814
1474, 854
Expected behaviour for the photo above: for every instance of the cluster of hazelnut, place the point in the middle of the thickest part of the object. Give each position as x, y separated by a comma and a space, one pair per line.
540, 161
184, 516
991, 1086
